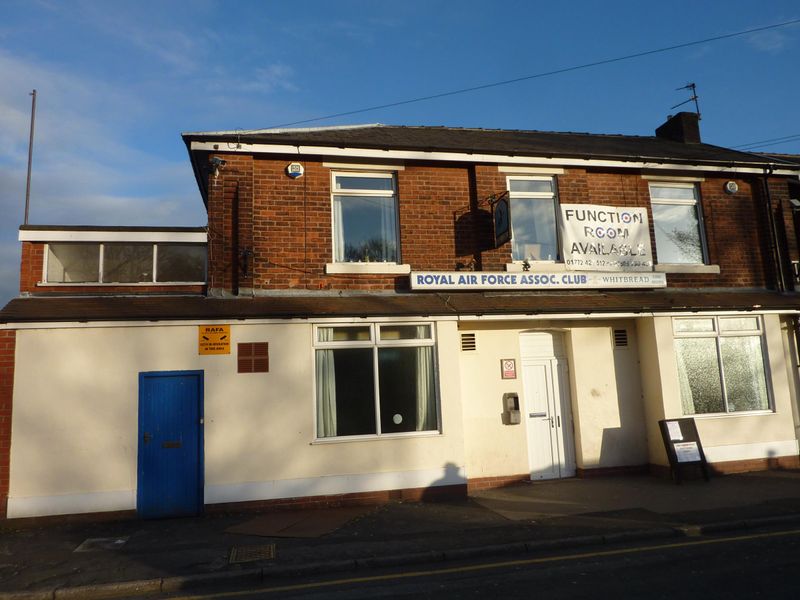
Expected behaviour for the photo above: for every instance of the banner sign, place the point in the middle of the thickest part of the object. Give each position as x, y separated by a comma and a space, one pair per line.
532, 280
605, 238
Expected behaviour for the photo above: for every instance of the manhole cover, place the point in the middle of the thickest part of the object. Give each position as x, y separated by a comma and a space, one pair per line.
95, 544
241, 554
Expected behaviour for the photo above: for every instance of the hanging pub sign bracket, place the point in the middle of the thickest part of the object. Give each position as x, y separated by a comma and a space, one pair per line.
501, 217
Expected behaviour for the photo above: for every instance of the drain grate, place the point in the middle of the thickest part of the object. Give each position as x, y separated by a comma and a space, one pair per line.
242, 554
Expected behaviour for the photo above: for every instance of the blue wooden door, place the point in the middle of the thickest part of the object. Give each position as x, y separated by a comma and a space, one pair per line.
170, 469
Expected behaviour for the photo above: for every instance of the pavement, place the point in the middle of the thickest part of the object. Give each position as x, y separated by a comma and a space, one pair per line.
60, 559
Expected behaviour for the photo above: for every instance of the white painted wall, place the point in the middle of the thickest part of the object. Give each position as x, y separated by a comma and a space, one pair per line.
608, 412
75, 420
605, 393
724, 437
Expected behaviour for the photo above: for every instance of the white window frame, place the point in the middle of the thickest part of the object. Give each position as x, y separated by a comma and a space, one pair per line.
379, 266
717, 334
376, 343
536, 196
153, 282
698, 211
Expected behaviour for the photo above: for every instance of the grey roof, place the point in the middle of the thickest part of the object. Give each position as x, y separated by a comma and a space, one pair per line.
152, 308
495, 141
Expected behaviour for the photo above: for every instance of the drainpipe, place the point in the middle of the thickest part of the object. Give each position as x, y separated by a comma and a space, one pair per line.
777, 258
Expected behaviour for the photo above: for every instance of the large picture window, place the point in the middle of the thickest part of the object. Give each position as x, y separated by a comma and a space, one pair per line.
532, 202
125, 263
721, 366
677, 223
364, 217
375, 380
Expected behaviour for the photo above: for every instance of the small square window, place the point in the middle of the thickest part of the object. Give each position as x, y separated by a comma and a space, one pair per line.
253, 357
73, 263
127, 263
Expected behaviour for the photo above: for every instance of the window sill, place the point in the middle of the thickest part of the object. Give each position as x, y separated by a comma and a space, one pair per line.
376, 438
744, 413
367, 268
538, 266
680, 268
112, 284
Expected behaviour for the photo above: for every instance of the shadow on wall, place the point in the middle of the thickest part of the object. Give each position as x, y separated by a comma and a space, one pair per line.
451, 484
626, 445
473, 233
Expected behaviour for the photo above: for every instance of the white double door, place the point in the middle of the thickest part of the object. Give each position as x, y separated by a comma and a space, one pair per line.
545, 374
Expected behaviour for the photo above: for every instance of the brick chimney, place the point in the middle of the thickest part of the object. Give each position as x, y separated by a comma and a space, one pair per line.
683, 127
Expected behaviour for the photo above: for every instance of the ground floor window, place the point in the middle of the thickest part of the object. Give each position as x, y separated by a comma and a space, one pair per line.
721, 364
375, 379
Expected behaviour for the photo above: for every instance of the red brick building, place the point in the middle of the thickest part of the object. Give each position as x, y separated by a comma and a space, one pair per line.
405, 311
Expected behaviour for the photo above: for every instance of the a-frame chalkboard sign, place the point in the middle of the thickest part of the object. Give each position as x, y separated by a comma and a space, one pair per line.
683, 446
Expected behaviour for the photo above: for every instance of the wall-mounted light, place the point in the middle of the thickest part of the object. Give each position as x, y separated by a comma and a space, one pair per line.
731, 187
217, 163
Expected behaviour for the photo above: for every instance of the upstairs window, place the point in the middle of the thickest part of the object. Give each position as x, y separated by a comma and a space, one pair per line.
125, 263
364, 218
678, 224
73, 263
534, 236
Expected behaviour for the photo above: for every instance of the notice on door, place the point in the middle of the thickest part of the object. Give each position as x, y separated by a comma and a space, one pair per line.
214, 339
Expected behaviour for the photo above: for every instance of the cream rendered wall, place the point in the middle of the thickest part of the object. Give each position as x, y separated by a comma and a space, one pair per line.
607, 397
655, 352
75, 420
790, 350
724, 437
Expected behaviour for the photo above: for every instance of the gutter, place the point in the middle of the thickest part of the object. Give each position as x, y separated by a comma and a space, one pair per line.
641, 162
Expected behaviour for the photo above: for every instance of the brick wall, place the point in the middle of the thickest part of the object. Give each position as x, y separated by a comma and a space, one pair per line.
31, 266
445, 222
7, 345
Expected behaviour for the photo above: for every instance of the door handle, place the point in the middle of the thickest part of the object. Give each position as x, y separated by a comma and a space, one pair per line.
558, 418
539, 414
552, 425
146, 438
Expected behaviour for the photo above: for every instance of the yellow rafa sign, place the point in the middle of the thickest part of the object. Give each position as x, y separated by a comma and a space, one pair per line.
214, 339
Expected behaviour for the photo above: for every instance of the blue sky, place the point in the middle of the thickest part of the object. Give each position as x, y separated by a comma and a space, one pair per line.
118, 82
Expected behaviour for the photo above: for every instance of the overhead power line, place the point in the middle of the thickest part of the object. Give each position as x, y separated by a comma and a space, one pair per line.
544, 74
770, 142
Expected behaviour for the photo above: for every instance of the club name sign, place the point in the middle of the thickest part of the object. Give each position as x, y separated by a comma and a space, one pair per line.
531, 280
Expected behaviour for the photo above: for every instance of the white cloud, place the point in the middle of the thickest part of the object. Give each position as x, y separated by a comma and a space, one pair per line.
84, 169
260, 81
772, 41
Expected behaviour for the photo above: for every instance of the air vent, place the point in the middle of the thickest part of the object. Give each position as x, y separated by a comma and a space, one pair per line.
253, 357
468, 342
620, 338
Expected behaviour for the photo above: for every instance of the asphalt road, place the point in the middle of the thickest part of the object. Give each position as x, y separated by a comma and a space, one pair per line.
750, 565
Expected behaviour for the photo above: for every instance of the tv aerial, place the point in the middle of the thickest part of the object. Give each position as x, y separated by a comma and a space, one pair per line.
693, 88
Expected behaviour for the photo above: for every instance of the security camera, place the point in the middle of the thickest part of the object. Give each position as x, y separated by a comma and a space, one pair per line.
217, 162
